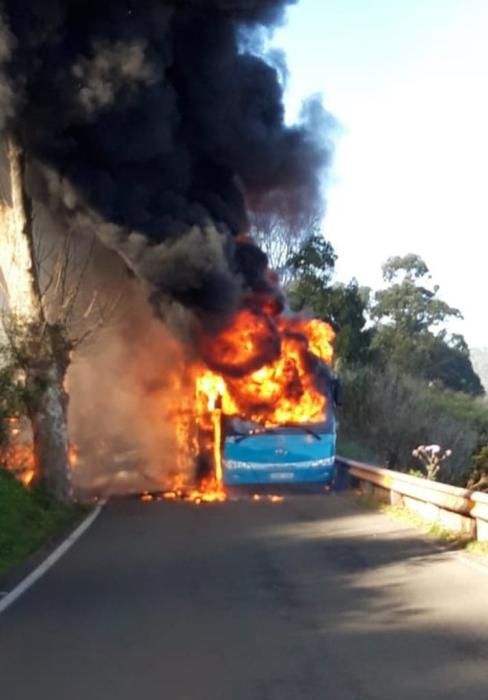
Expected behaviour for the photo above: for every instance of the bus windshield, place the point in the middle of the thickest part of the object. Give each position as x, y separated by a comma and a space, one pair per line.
282, 430
241, 429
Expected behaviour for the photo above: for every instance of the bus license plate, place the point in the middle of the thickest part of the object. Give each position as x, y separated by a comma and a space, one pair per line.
282, 476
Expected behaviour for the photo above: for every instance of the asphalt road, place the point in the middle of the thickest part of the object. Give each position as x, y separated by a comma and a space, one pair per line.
312, 598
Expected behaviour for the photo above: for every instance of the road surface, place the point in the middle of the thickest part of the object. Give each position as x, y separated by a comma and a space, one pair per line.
312, 598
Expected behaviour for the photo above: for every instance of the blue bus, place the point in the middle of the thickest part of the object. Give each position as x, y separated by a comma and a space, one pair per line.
288, 455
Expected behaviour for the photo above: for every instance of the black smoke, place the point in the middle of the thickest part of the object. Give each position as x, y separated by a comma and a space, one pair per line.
157, 124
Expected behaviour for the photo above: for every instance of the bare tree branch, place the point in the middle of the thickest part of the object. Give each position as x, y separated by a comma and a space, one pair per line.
280, 239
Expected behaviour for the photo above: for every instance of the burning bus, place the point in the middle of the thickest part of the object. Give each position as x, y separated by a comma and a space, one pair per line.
252, 406
291, 454
269, 401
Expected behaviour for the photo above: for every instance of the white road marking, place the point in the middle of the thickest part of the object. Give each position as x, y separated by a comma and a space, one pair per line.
10, 597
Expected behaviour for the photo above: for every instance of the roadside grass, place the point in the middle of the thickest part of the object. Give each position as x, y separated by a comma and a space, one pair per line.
433, 530
480, 548
28, 518
427, 528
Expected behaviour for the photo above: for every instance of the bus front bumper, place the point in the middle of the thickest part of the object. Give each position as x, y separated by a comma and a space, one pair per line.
244, 473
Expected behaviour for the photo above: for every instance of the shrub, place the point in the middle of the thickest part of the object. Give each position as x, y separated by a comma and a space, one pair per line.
478, 477
11, 402
391, 413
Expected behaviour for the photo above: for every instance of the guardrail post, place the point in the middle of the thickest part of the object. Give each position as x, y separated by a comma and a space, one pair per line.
396, 499
481, 530
343, 479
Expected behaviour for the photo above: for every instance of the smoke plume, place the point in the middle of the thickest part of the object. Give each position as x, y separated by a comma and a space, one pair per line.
156, 124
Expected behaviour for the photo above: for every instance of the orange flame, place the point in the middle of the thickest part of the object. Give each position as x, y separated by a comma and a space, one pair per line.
268, 370
73, 455
19, 459
280, 391
18, 455
260, 369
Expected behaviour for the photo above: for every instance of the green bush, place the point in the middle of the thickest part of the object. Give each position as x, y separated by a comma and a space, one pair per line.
478, 477
11, 401
392, 413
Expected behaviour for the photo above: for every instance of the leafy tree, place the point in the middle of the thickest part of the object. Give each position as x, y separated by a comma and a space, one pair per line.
450, 363
406, 304
343, 305
411, 266
409, 331
313, 263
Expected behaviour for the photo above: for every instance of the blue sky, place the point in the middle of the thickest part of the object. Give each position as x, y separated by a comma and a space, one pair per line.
408, 82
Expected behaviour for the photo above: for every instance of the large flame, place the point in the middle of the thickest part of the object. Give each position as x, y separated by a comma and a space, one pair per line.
286, 386
17, 455
19, 459
271, 372
268, 370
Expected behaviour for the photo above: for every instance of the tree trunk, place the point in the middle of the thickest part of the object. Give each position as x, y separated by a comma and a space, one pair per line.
44, 351
49, 429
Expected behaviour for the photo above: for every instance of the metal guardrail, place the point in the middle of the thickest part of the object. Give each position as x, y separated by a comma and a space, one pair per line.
456, 509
